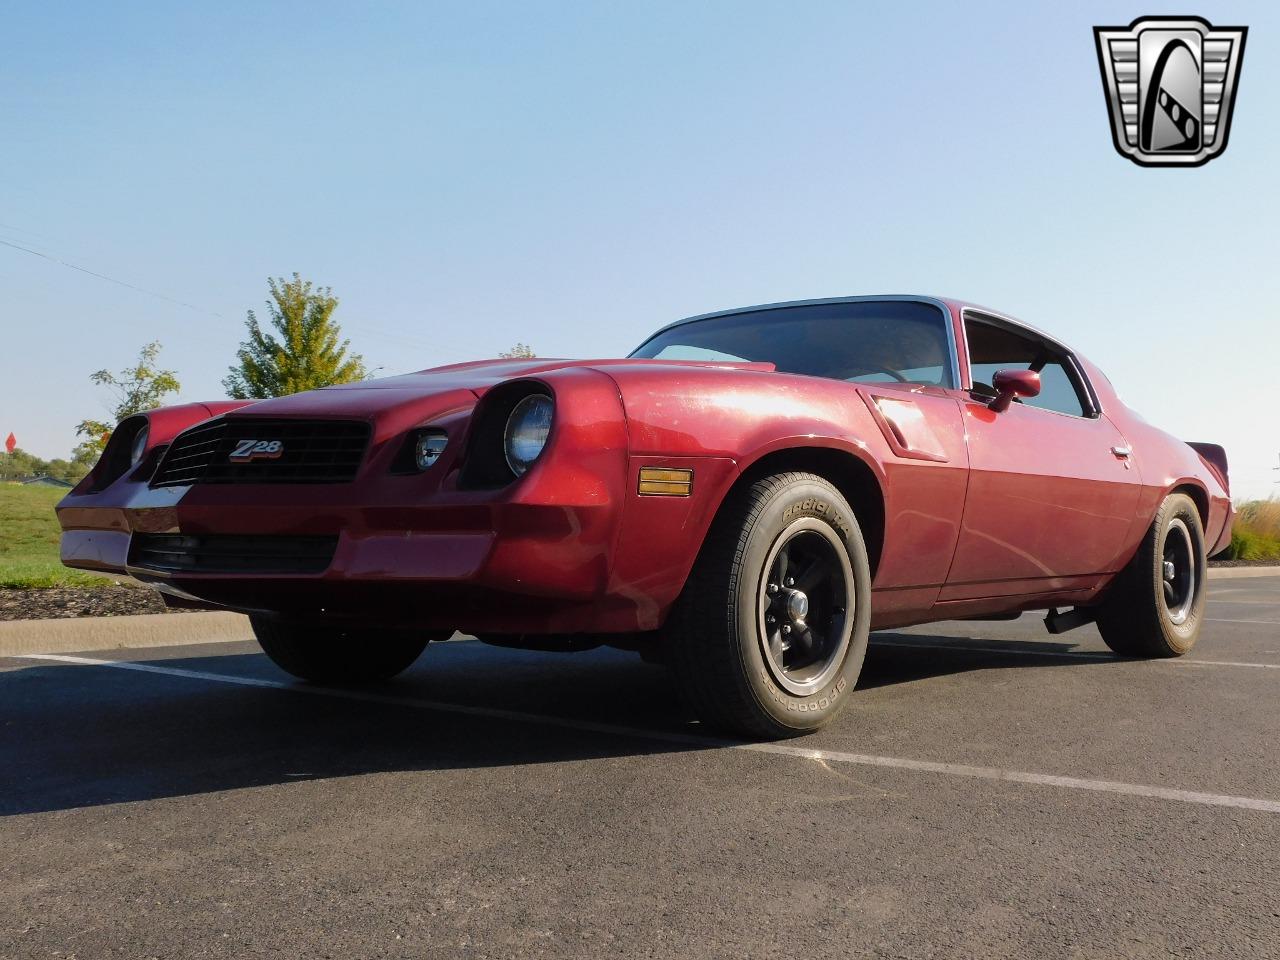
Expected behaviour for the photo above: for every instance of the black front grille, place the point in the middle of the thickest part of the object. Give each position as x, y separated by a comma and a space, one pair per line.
225, 553
297, 451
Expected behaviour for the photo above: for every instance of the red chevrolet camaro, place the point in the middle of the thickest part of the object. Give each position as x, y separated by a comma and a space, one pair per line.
745, 497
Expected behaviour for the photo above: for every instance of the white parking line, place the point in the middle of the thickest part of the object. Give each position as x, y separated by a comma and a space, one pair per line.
1065, 654
777, 749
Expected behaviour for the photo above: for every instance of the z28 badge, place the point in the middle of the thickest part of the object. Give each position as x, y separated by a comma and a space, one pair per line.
247, 450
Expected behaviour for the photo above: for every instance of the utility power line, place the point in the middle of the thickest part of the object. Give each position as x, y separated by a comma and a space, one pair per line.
103, 276
356, 325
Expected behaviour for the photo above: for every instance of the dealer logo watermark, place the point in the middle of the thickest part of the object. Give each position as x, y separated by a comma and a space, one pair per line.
1171, 85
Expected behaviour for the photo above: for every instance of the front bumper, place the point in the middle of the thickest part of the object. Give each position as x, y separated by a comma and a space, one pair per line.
601, 561
497, 567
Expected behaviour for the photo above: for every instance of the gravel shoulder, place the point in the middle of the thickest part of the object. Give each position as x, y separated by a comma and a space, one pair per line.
57, 603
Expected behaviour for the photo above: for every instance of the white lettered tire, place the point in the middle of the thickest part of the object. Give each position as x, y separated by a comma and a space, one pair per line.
769, 636
1157, 604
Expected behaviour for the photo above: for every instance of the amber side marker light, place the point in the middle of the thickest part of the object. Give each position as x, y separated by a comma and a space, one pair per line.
664, 482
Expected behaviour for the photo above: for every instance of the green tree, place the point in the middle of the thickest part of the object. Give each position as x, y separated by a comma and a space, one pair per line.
59, 469
20, 465
520, 351
82, 461
140, 387
303, 353
73, 470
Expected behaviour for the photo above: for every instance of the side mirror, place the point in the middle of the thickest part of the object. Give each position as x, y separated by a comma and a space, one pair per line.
1013, 383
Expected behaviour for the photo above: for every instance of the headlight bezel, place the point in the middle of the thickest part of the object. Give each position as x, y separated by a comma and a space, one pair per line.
117, 458
138, 446
483, 460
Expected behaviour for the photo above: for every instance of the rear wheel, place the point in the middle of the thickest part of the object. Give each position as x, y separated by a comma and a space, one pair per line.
326, 653
769, 635
1156, 607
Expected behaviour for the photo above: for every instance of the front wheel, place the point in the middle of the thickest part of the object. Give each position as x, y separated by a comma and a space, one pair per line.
769, 635
1156, 606
326, 653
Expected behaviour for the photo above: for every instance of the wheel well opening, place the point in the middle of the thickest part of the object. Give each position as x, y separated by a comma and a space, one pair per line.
853, 478
1199, 498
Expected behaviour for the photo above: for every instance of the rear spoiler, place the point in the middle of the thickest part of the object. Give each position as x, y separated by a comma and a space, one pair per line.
1216, 458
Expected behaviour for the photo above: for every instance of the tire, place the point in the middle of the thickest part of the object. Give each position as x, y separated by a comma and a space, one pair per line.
1148, 613
737, 669
324, 653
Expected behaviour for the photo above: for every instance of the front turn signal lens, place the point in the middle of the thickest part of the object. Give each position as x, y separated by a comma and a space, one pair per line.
665, 482
428, 447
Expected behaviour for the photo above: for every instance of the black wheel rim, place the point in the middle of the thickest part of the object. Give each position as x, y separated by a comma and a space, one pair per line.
1178, 578
806, 606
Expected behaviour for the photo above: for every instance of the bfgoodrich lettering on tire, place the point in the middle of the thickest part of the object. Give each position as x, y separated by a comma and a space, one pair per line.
769, 636
1156, 606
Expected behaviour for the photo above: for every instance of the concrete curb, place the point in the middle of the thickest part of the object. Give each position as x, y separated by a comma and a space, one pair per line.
18, 637
1237, 573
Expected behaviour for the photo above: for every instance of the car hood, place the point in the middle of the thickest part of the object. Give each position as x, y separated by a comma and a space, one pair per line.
479, 375
457, 385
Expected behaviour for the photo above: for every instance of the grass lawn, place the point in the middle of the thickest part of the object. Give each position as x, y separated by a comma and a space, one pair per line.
29, 540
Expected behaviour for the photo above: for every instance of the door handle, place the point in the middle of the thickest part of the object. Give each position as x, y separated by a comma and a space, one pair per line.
1121, 452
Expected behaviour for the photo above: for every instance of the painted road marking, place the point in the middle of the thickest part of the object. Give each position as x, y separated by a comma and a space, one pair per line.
777, 749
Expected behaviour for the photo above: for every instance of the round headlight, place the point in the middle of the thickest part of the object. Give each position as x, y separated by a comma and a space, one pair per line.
527, 430
139, 447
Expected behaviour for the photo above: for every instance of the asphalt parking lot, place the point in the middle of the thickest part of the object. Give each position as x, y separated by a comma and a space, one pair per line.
993, 791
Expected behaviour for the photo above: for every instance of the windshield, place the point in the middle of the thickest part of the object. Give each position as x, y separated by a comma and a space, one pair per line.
867, 341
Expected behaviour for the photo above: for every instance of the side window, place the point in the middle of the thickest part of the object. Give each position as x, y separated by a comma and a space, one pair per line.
993, 348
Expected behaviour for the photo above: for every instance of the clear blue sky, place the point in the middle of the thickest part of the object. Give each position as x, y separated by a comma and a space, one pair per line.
472, 174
